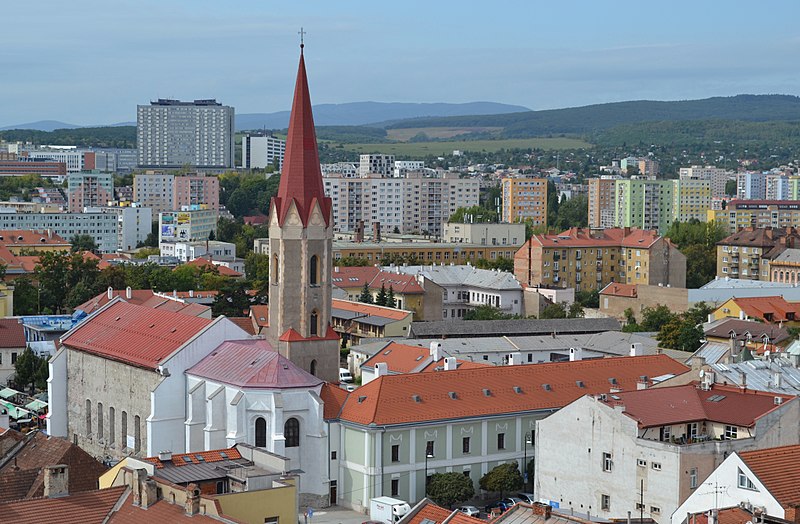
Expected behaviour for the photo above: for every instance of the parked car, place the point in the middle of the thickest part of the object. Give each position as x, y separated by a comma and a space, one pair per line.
526, 497
345, 376
472, 511
498, 504
511, 501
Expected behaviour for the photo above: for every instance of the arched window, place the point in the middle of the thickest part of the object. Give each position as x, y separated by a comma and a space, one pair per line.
137, 434
261, 432
291, 432
88, 417
313, 271
124, 433
313, 368
112, 414
100, 420
275, 268
313, 322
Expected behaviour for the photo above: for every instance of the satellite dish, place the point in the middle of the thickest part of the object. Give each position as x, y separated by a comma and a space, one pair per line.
702, 373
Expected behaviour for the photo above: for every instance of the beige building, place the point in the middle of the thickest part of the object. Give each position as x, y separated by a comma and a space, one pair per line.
486, 234
749, 253
616, 298
717, 176
741, 214
525, 199
602, 201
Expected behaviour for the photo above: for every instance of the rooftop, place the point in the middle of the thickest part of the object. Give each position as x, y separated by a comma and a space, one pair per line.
619, 290
427, 512
12, 334
361, 311
91, 507
777, 469
29, 238
775, 375
206, 265
740, 329
489, 328
769, 309
585, 237
464, 275
144, 297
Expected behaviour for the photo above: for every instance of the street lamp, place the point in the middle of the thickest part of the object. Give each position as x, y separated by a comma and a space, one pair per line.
428, 455
528, 441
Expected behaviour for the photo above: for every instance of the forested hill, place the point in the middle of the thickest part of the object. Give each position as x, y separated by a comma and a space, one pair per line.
113, 136
588, 119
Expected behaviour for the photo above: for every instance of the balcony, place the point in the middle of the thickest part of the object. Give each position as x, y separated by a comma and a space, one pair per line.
599, 277
556, 256
599, 255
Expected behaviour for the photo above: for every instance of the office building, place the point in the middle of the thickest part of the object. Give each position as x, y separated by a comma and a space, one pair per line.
187, 225
46, 169
262, 151
76, 160
174, 134
89, 189
382, 165
525, 200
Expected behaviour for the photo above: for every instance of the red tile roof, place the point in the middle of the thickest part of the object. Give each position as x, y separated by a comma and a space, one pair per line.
89, 507
619, 290
437, 515
246, 323
400, 358
182, 459
31, 238
777, 469
160, 512
687, 403
206, 265
252, 364
147, 298
333, 396
138, 297
150, 335
390, 399
355, 277
725, 516
301, 178
261, 315
460, 364
618, 237
777, 306
12, 335
371, 310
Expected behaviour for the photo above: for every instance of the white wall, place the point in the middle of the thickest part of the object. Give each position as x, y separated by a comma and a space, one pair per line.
57, 395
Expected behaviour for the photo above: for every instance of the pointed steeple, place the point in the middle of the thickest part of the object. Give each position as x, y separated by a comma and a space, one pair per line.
301, 177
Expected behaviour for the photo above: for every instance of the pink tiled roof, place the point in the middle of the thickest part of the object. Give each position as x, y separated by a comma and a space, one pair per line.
12, 335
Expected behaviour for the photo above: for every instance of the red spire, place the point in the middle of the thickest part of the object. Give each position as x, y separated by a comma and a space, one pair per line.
301, 178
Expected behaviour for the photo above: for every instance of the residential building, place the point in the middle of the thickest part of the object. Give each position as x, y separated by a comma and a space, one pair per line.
777, 187
187, 225
472, 420
426, 511
195, 190
465, 287
356, 321
403, 167
260, 151
691, 199
751, 186
647, 450
394, 358
382, 165
134, 224
343, 169
186, 251
20, 241
442, 329
785, 268
648, 167
89, 189
749, 252
525, 199
483, 233
764, 309
115, 160
231, 267
6, 294
145, 297
12, 344
616, 298
154, 190
47, 169
644, 203
173, 134
584, 259
426, 252
102, 227
716, 175
741, 214
760, 481
602, 201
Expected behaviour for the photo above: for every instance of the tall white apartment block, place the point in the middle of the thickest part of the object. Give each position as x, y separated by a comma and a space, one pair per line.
260, 151
382, 165
342, 169
777, 187
716, 175
173, 134
751, 186
402, 167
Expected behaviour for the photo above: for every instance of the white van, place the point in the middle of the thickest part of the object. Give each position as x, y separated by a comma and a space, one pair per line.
345, 376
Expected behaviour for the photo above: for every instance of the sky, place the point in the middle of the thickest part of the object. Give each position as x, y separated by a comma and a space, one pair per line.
92, 61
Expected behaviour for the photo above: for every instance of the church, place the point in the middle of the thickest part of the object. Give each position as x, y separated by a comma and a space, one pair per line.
134, 381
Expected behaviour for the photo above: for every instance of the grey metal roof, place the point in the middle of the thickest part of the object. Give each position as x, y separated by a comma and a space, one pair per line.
712, 352
741, 283
788, 255
490, 328
199, 472
760, 375
464, 275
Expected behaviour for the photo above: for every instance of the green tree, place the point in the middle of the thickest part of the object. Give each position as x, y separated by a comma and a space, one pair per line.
26, 297
503, 478
475, 214
730, 188
654, 318
83, 243
366, 295
256, 267
446, 489
697, 241
575, 310
680, 333
380, 300
232, 300
588, 299
501, 263
557, 310
352, 262
572, 213
30, 371
390, 300
485, 312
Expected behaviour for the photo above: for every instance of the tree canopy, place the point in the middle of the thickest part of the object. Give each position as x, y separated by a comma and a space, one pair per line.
446, 489
503, 478
474, 214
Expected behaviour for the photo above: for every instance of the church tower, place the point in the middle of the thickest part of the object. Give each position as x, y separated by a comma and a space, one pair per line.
301, 249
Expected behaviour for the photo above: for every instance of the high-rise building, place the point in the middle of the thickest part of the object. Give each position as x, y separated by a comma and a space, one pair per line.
777, 187
644, 203
525, 198
741, 214
716, 175
166, 192
691, 199
751, 186
173, 134
602, 201
382, 165
89, 190
154, 190
261, 151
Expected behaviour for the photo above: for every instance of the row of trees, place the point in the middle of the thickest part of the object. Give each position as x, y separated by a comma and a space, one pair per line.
383, 298
682, 331
698, 242
447, 489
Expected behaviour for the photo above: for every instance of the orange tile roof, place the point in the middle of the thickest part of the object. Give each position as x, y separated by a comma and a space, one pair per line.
161, 511
390, 399
757, 307
261, 315
354, 277
777, 469
146, 298
12, 335
437, 515
734, 515
206, 265
246, 323
460, 364
619, 290
89, 507
31, 238
214, 455
400, 358
577, 237
333, 396
371, 310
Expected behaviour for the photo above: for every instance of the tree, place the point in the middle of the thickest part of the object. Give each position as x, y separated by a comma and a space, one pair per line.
501, 263
390, 300
503, 478
485, 312
572, 213
730, 187
380, 300
557, 310
30, 370
352, 262
589, 299
26, 297
446, 489
83, 243
366, 294
232, 300
256, 267
654, 318
474, 214
697, 241
680, 333
575, 310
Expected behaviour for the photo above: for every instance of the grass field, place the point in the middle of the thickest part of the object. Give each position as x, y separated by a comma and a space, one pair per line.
404, 134
419, 149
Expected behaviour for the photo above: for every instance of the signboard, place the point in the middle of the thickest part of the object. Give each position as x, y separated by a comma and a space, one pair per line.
184, 218
167, 231
167, 218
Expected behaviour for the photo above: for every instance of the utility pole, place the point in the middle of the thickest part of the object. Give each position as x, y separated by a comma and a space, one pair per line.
641, 502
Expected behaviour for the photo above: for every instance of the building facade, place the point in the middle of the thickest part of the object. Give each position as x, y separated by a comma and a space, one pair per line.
525, 199
644, 203
751, 186
717, 176
187, 225
173, 134
602, 201
195, 190
382, 165
485, 234
741, 214
261, 151
748, 253
89, 189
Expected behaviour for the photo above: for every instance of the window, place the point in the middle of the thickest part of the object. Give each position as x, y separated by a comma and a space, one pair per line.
641, 463
14, 357
395, 487
666, 433
88, 417
275, 268
291, 432
222, 487
429, 448
501, 441
99, 420
691, 430
655, 510
312, 368
745, 482
465, 445
333, 455
313, 271
313, 321
111, 422
605, 502
693, 478
261, 432
396, 453
137, 434
657, 466
123, 435
730, 432
607, 462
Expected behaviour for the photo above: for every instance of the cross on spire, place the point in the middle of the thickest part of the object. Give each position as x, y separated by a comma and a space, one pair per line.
302, 34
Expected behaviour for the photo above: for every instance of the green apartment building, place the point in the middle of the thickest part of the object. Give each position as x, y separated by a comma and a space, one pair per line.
655, 204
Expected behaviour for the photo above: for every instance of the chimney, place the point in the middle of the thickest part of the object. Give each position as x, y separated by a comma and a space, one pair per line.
128, 292
575, 354
110, 292
56, 481
713, 516
359, 236
149, 493
174, 293
376, 231
192, 505
743, 380
636, 349
335, 269
542, 509
642, 382
381, 369
165, 456
742, 315
777, 377
191, 293
436, 351
450, 363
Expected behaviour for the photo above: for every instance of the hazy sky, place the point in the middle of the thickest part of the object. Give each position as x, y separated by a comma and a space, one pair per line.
92, 61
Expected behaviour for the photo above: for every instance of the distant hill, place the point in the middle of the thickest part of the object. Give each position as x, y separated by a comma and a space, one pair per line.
42, 125
589, 119
362, 113
109, 136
